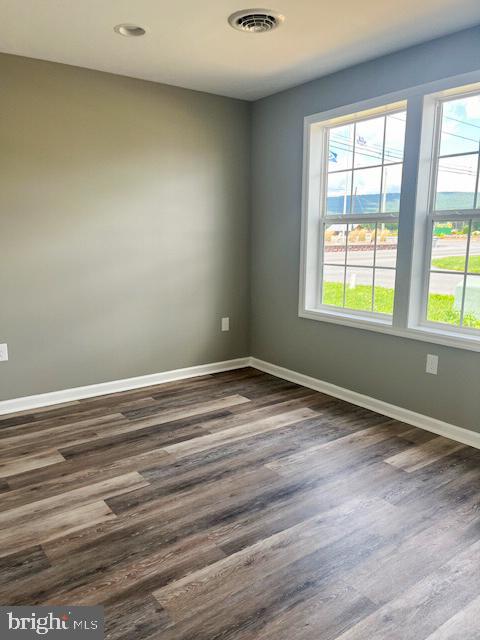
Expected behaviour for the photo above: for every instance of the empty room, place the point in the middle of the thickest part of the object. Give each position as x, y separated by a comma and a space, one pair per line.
240, 320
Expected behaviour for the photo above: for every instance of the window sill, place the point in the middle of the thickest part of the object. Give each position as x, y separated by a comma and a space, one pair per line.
422, 333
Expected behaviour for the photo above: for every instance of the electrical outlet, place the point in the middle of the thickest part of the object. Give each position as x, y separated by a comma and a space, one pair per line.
3, 353
225, 324
432, 364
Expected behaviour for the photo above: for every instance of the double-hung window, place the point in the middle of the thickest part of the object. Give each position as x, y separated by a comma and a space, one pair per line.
452, 279
354, 212
359, 230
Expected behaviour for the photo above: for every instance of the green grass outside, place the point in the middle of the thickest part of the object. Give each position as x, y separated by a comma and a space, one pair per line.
457, 263
359, 298
440, 307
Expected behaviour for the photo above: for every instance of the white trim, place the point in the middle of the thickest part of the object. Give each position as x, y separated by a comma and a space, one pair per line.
451, 431
424, 333
459, 434
105, 388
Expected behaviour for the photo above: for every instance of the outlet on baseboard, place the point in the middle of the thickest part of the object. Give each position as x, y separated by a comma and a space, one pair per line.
3, 353
225, 324
432, 364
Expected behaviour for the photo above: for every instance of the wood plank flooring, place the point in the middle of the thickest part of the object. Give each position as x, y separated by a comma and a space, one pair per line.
238, 506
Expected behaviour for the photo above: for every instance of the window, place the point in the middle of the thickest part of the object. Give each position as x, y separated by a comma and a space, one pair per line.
360, 166
359, 217
379, 202
453, 274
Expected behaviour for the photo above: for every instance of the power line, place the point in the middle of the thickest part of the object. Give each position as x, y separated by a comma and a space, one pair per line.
468, 124
376, 156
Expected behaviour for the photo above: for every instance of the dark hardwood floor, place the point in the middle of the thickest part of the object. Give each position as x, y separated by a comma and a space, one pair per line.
238, 506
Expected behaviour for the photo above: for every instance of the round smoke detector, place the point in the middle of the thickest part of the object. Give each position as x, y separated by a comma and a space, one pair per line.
256, 20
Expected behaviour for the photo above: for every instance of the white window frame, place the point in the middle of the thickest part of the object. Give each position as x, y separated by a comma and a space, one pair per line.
414, 244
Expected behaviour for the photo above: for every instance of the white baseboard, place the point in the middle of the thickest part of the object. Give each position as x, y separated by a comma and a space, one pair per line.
104, 388
459, 434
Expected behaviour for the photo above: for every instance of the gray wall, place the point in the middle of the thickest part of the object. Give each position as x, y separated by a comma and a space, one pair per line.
123, 226
385, 367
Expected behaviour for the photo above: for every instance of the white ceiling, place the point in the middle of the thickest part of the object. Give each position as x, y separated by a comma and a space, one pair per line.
190, 44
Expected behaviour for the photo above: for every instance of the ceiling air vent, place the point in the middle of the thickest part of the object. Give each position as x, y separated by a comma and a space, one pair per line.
256, 20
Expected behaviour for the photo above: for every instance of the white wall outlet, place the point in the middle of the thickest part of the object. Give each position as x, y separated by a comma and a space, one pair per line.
3, 353
225, 324
432, 364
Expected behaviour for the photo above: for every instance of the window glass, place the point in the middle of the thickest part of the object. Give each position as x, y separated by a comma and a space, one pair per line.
460, 132
366, 190
339, 189
456, 183
454, 289
340, 154
395, 137
369, 135
359, 288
